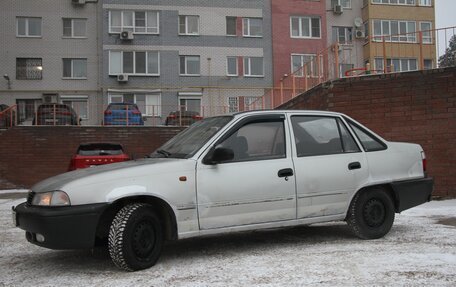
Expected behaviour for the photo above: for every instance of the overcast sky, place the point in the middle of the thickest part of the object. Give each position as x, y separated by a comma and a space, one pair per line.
445, 11
445, 16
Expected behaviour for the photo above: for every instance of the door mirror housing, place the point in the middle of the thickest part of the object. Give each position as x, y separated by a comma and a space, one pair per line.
218, 155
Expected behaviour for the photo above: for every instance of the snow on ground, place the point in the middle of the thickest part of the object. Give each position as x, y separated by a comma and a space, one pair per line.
419, 251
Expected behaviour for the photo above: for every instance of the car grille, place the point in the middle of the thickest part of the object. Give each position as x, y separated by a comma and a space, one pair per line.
30, 196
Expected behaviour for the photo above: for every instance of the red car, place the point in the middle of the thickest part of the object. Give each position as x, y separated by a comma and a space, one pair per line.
93, 154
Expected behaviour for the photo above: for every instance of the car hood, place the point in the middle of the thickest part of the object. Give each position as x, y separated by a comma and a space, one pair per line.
100, 173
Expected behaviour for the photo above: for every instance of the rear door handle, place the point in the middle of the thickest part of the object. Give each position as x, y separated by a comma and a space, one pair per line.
285, 172
354, 165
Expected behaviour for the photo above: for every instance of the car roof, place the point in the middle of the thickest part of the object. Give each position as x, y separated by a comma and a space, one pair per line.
306, 112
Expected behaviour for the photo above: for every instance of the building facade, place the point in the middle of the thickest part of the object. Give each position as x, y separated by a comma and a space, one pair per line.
346, 28
399, 29
49, 53
206, 56
211, 57
298, 34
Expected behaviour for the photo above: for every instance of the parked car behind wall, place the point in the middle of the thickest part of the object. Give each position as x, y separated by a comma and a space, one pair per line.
55, 115
93, 154
123, 114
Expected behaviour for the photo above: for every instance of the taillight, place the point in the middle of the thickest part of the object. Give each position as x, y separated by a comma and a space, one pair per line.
423, 158
171, 116
108, 112
136, 112
197, 117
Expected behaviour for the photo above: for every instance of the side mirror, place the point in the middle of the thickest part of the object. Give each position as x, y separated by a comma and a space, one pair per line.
218, 155
144, 119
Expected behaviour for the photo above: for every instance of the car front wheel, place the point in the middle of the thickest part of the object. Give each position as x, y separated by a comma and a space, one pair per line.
135, 237
371, 214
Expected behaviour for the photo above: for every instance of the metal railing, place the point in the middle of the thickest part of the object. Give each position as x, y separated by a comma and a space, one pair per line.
387, 54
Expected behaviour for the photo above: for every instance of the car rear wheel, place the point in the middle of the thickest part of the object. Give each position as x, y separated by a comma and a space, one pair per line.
135, 237
371, 214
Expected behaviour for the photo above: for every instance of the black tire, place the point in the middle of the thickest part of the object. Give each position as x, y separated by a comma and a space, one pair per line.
135, 237
371, 214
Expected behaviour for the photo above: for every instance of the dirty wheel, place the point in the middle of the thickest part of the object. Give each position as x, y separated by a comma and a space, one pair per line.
371, 214
135, 237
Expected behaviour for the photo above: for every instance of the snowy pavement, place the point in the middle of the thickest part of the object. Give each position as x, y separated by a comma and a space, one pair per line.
420, 250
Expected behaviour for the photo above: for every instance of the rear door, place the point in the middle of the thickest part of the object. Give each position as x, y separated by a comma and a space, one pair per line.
329, 165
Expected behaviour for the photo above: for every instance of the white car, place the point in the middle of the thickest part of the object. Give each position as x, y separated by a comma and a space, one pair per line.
247, 171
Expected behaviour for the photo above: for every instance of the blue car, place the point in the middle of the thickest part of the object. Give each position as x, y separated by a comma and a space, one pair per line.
123, 114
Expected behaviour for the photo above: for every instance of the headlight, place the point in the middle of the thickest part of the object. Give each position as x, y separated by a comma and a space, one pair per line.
52, 198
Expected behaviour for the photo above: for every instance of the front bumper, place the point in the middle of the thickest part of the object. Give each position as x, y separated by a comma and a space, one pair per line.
69, 227
411, 193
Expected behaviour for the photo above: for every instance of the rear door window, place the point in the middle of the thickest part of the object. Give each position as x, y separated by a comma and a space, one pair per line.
369, 142
315, 135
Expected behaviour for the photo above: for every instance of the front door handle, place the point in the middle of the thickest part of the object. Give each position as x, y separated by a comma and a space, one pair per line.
354, 165
285, 172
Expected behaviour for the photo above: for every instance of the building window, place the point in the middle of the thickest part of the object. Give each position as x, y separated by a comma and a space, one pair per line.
189, 103
298, 61
28, 27
426, 27
342, 35
252, 27
139, 22
305, 27
253, 67
346, 4
425, 2
232, 66
75, 68
397, 64
394, 31
74, 28
428, 64
134, 63
29, 68
395, 2
237, 104
79, 105
148, 104
188, 25
344, 68
189, 65
231, 26
233, 104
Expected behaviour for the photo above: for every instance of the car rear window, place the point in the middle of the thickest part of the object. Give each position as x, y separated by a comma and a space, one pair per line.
100, 149
368, 141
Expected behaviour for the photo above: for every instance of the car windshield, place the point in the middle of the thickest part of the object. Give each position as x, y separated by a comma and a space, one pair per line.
189, 141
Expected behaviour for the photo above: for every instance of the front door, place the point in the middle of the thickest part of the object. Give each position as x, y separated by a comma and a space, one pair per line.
257, 185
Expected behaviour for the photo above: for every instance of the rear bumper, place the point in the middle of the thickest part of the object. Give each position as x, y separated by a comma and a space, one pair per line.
71, 227
411, 193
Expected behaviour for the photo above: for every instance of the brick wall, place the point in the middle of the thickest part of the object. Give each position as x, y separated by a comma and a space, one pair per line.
417, 107
29, 154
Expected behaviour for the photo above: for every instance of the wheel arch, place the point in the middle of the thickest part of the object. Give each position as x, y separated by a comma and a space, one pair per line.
164, 211
385, 186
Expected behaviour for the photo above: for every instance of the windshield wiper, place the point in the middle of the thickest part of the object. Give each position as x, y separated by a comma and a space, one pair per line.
163, 152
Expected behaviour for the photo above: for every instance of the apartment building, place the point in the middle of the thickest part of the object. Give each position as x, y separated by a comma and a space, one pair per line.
298, 34
211, 57
49, 53
411, 45
346, 27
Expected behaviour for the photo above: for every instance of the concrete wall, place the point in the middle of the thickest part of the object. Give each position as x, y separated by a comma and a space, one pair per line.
418, 107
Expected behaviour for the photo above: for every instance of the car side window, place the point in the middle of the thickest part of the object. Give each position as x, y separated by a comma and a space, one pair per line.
369, 142
257, 141
348, 141
316, 135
